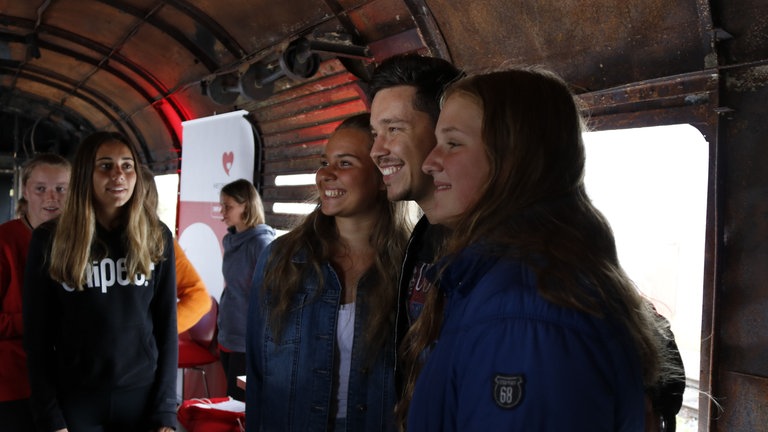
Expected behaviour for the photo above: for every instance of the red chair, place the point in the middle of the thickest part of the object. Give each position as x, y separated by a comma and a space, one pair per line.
198, 345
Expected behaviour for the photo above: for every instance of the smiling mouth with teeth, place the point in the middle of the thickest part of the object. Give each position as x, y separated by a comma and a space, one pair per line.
333, 193
389, 170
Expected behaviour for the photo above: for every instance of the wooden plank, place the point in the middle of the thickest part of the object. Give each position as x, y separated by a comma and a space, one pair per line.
296, 166
313, 101
313, 117
283, 221
306, 134
290, 151
289, 193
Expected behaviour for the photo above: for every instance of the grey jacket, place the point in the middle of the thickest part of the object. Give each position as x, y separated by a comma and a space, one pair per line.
241, 251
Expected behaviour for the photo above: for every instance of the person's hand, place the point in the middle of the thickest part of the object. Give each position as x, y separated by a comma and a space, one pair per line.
164, 429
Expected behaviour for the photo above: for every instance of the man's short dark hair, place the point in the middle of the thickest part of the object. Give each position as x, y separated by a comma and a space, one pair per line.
429, 75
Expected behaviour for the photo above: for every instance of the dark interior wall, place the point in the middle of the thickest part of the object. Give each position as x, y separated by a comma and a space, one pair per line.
6, 203
746, 225
594, 45
740, 339
740, 375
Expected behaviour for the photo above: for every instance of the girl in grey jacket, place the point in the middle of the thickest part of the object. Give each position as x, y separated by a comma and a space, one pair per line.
248, 235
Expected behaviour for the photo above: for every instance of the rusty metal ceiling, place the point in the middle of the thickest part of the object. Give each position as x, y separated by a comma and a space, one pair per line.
68, 67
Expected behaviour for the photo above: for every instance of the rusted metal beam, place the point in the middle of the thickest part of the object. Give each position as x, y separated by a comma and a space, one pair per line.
83, 94
688, 98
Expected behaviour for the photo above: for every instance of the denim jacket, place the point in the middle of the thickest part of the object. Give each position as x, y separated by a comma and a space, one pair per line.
290, 382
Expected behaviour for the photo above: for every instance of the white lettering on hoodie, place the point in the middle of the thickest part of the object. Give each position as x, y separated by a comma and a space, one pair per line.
105, 273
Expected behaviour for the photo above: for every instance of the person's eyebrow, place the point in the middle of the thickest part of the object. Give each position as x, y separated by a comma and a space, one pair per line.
448, 129
393, 120
339, 156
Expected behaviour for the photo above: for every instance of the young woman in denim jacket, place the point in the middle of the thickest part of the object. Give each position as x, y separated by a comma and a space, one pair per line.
320, 340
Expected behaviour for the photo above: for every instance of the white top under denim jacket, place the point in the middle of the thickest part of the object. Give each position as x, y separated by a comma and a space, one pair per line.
291, 382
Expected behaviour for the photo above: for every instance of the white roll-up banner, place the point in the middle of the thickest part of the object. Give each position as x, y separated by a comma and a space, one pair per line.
216, 150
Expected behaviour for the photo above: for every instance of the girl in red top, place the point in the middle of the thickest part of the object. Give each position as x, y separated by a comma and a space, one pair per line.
44, 181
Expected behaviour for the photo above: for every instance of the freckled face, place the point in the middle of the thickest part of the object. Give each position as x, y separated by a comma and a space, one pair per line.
458, 164
45, 191
348, 181
114, 178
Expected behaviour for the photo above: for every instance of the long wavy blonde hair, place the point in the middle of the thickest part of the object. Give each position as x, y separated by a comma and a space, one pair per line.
74, 244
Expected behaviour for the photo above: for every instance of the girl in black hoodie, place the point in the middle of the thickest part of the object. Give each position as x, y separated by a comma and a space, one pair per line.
100, 302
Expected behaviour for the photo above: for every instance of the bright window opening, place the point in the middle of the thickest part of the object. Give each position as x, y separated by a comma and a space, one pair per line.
293, 208
295, 180
651, 184
168, 197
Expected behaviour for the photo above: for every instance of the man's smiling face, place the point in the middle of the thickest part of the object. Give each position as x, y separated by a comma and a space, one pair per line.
403, 138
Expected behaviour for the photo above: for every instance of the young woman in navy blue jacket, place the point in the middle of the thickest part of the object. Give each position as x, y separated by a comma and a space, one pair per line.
321, 337
536, 327
100, 302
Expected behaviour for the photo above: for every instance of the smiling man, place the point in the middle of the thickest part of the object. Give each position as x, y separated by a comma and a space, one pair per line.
405, 91
404, 137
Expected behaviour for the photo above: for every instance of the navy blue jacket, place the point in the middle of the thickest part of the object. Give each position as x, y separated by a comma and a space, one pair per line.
290, 382
507, 359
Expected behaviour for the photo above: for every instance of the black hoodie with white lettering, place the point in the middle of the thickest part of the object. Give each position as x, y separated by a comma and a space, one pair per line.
116, 334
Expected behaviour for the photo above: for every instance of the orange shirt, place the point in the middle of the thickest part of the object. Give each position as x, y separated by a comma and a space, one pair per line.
193, 299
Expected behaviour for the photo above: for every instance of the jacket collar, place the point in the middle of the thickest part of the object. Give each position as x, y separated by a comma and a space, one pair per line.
458, 273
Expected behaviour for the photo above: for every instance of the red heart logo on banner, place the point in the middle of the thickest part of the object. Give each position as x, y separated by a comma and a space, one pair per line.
226, 160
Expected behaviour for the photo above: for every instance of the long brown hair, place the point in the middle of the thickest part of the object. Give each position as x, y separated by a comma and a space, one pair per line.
74, 244
535, 208
314, 238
